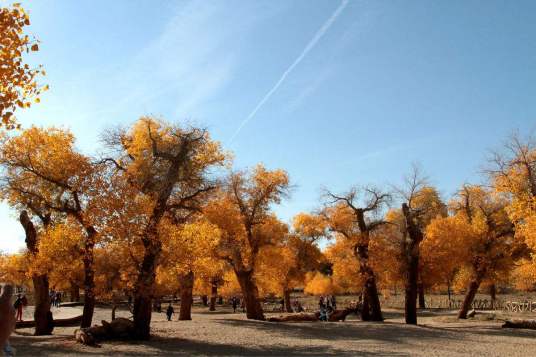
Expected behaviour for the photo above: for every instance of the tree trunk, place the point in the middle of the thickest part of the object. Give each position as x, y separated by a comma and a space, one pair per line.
469, 297
449, 291
42, 314
410, 302
187, 286
213, 297
422, 302
89, 279
74, 292
143, 291
371, 291
411, 254
493, 295
204, 300
251, 294
365, 311
288, 305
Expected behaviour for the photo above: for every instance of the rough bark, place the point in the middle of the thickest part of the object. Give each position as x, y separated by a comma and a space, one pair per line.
89, 278
365, 311
187, 286
251, 295
493, 295
74, 291
422, 302
411, 254
42, 314
371, 290
143, 293
410, 302
213, 297
286, 297
469, 297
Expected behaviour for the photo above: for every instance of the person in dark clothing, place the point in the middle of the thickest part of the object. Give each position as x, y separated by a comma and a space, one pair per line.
18, 307
234, 302
169, 312
333, 302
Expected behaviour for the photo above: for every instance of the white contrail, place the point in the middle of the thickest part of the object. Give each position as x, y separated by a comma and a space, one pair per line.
325, 27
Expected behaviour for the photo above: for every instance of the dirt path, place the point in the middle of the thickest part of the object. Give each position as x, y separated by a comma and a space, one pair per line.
227, 334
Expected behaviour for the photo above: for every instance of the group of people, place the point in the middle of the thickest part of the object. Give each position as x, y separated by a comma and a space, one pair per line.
55, 298
327, 305
235, 302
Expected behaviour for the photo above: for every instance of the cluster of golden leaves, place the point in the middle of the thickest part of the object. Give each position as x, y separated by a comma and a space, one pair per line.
18, 81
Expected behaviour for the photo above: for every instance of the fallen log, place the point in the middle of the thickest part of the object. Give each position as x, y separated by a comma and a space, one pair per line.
71, 321
118, 329
527, 324
337, 315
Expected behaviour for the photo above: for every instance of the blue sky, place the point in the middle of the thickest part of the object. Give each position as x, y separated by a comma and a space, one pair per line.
370, 86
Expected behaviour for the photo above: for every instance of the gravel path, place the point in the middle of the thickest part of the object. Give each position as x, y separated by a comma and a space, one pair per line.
227, 334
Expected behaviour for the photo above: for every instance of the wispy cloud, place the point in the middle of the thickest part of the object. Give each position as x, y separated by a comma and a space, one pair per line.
312, 43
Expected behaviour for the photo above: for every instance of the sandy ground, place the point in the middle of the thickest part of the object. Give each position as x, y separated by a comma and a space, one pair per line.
223, 333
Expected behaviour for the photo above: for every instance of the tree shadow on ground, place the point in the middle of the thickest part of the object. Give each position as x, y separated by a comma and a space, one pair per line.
178, 346
357, 331
172, 346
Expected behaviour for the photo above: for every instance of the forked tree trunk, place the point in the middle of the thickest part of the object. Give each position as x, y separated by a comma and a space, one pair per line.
74, 292
469, 297
143, 291
251, 294
422, 302
42, 314
286, 297
213, 297
187, 286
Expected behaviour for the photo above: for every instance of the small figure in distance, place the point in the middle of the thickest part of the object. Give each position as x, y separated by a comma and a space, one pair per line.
18, 307
234, 302
169, 312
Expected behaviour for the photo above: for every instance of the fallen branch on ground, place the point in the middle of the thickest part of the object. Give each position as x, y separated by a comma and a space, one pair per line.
119, 328
528, 324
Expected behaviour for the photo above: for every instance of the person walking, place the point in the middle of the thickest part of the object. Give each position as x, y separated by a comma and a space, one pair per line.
234, 302
169, 312
18, 307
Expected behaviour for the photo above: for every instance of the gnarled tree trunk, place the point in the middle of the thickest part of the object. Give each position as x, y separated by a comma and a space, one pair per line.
365, 311
286, 297
371, 290
42, 314
422, 301
74, 291
213, 297
143, 292
187, 286
89, 278
493, 295
251, 294
470, 296
411, 254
